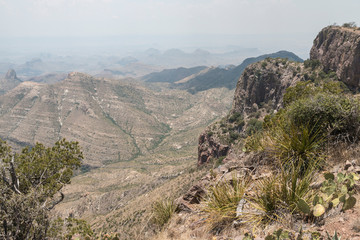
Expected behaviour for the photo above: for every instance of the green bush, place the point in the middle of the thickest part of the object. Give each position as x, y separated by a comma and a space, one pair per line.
308, 89
253, 126
338, 114
311, 64
235, 117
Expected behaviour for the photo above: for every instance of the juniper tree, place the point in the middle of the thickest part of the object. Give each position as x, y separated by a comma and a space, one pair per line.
31, 184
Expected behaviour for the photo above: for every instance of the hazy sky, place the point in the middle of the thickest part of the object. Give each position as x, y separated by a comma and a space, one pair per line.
301, 19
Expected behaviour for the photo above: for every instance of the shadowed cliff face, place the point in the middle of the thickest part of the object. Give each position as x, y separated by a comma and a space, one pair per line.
338, 49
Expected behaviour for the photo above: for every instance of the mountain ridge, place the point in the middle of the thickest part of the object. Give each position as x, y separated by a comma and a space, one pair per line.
215, 77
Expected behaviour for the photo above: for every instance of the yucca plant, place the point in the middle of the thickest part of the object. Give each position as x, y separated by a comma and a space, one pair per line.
222, 201
296, 184
335, 237
278, 195
267, 200
162, 211
299, 146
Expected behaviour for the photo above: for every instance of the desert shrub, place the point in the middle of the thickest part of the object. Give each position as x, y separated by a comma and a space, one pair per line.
235, 117
70, 227
294, 145
311, 64
267, 200
31, 184
349, 25
162, 211
233, 136
279, 194
338, 114
222, 200
253, 126
307, 89
218, 161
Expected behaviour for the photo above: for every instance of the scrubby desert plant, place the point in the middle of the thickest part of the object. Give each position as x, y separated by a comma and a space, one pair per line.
278, 195
222, 200
330, 113
162, 211
334, 237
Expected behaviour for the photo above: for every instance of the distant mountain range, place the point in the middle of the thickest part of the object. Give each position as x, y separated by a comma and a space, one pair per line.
172, 75
202, 78
135, 64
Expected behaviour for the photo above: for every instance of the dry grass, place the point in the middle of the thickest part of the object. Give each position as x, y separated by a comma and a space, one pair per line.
162, 211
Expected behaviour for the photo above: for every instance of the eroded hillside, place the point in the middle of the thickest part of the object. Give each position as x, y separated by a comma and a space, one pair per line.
112, 120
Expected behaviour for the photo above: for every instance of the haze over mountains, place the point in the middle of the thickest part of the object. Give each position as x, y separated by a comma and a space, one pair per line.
118, 64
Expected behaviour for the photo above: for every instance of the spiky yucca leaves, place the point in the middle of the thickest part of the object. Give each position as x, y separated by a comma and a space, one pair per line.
266, 201
294, 146
162, 211
222, 201
335, 237
296, 185
278, 195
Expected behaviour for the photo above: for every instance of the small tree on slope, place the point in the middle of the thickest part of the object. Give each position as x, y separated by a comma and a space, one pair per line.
30, 186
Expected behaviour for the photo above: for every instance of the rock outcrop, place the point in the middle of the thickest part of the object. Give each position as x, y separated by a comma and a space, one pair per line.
9, 82
262, 85
11, 74
338, 49
265, 82
209, 148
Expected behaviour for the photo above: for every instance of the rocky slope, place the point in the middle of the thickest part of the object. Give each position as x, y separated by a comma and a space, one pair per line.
9, 81
142, 142
338, 49
118, 197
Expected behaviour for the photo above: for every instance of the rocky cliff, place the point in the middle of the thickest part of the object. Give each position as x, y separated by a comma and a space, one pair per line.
259, 91
338, 49
265, 82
